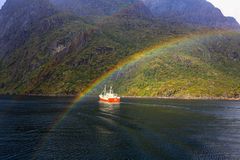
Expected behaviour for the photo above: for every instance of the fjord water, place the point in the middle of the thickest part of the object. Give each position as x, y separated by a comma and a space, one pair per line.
135, 129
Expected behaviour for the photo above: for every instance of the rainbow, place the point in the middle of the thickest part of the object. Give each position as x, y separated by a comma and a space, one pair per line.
136, 57
150, 51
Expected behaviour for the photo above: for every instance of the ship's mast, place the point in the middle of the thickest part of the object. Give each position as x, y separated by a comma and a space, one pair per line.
105, 90
111, 90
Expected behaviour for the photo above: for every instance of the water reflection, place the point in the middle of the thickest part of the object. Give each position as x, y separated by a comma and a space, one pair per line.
109, 107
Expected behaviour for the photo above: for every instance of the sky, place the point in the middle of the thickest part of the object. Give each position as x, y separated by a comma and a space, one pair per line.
2, 2
228, 7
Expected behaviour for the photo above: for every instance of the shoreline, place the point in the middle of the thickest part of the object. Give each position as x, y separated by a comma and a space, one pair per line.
184, 98
136, 97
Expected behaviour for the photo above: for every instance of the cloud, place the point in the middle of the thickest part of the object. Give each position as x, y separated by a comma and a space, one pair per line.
2, 2
228, 7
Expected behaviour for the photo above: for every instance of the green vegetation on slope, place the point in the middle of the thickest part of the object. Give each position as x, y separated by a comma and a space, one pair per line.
67, 58
197, 68
66, 53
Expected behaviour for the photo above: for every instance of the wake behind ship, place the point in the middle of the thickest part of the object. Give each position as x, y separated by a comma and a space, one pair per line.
109, 96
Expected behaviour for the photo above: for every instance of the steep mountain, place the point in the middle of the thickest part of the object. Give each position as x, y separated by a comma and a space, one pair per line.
17, 17
100, 7
198, 12
60, 47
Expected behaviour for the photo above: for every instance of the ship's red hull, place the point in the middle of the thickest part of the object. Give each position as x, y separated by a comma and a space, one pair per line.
110, 100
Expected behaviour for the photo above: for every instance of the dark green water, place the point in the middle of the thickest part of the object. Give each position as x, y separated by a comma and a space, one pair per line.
136, 129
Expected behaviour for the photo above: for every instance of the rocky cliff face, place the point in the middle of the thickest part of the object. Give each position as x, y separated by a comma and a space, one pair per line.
88, 8
17, 19
92, 7
197, 12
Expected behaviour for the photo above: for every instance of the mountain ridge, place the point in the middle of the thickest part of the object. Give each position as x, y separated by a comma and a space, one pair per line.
199, 12
62, 51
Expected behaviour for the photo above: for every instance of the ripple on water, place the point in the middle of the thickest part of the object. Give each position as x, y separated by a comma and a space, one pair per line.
135, 129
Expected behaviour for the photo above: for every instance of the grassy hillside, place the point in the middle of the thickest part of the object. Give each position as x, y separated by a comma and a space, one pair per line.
67, 58
65, 53
202, 67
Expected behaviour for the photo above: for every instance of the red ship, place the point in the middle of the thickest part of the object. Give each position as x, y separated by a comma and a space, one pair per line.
109, 97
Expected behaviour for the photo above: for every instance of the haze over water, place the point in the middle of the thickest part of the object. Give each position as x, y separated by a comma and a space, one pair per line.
135, 129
